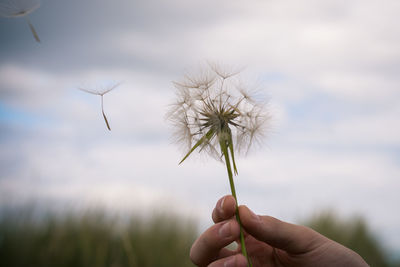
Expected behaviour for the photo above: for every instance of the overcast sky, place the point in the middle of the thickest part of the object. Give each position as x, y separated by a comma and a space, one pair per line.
330, 70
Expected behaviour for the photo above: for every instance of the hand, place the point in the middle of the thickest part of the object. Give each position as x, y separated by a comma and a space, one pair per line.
269, 242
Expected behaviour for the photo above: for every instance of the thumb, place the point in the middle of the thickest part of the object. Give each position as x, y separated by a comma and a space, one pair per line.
289, 237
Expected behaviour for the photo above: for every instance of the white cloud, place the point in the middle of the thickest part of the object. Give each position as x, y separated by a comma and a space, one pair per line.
369, 130
27, 86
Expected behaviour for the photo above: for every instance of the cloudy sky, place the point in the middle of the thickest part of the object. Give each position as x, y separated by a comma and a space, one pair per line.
330, 70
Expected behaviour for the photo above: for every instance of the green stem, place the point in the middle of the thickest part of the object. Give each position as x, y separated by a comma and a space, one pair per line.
232, 185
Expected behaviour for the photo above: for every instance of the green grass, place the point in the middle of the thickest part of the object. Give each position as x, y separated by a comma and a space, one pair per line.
95, 240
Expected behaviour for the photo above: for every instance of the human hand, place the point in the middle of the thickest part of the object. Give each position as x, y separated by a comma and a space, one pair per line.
269, 242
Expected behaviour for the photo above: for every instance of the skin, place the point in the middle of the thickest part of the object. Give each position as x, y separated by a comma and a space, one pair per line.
269, 242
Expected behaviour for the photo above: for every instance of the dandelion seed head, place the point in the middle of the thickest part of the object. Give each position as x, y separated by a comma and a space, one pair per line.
211, 107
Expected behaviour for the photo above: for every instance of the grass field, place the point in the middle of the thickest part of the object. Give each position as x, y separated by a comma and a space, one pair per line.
97, 239
94, 239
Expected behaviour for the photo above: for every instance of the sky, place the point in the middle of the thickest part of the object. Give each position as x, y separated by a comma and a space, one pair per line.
329, 70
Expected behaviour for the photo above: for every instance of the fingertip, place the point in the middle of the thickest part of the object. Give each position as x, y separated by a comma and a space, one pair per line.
247, 216
228, 206
229, 229
235, 228
224, 209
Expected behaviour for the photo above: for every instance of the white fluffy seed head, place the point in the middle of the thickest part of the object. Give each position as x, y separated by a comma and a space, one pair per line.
214, 99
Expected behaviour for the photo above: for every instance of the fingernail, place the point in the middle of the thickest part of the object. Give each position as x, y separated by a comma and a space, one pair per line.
231, 262
225, 230
221, 206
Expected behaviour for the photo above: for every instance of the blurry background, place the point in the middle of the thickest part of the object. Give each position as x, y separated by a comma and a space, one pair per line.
330, 70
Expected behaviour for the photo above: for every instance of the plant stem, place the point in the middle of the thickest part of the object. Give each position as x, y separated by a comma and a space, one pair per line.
232, 185
104, 115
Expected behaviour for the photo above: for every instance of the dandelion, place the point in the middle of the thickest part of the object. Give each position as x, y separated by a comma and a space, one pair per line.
101, 91
217, 115
20, 8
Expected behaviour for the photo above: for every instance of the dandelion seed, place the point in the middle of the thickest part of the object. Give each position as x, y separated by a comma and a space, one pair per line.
101, 91
213, 114
20, 8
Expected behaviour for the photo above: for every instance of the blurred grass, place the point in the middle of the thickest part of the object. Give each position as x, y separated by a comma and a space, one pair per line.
98, 239
94, 239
